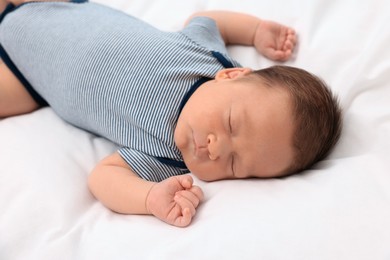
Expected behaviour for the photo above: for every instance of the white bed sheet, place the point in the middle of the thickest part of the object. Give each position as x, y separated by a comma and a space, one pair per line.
340, 209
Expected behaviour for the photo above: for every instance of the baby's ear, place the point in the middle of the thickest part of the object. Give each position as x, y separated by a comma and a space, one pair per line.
232, 73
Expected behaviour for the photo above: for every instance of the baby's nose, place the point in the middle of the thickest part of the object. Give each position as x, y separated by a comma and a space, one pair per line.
216, 147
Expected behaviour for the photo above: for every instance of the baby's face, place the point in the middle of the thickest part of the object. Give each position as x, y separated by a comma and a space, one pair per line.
231, 129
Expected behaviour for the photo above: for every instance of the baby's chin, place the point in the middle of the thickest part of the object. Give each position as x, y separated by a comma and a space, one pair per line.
206, 179
203, 176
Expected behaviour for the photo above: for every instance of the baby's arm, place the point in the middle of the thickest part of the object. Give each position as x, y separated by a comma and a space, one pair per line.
173, 200
271, 39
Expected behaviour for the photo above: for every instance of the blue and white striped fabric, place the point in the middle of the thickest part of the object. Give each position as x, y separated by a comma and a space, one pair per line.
112, 74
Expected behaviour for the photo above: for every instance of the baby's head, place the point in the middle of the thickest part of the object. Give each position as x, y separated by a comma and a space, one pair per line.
317, 114
266, 123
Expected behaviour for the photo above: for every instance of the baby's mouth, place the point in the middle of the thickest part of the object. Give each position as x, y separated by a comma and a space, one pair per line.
200, 151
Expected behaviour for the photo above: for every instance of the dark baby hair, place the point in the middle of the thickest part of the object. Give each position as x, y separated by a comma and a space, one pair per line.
316, 111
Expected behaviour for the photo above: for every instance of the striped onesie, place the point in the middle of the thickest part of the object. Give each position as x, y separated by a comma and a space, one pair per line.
113, 75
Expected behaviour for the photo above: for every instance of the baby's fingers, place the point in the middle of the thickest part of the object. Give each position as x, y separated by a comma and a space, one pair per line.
190, 196
198, 192
185, 219
292, 36
279, 55
185, 203
185, 181
195, 194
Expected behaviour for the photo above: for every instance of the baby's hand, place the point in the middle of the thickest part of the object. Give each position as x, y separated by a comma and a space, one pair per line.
274, 41
174, 200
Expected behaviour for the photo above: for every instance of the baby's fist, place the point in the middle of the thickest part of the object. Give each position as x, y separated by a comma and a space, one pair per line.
174, 200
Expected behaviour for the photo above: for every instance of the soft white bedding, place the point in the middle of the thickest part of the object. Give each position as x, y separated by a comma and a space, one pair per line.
340, 209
